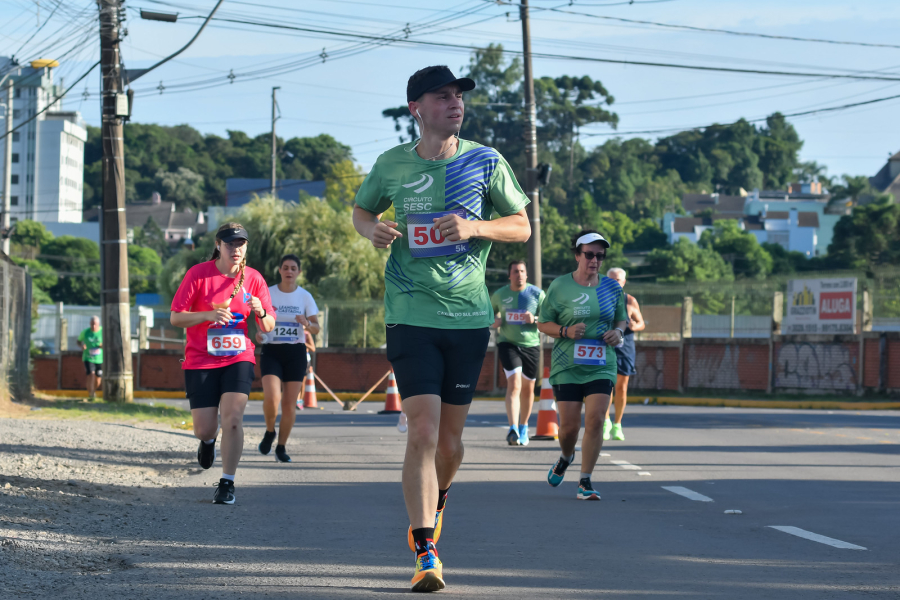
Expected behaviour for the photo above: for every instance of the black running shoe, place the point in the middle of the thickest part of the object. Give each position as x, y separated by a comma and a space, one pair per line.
224, 492
265, 446
281, 455
557, 472
512, 438
206, 454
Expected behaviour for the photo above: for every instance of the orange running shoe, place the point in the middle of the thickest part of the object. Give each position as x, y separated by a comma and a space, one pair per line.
429, 576
438, 524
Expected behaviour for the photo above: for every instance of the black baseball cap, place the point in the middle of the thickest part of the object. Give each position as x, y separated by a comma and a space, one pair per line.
435, 80
229, 235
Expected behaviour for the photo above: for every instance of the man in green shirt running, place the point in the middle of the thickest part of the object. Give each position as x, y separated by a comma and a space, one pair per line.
585, 312
444, 191
516, 307
91, 341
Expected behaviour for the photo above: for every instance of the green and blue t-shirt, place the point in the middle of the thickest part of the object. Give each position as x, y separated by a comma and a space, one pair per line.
429, 281
511, 305
599, 308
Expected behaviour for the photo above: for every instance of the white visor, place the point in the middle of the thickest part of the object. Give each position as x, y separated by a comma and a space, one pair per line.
590, 238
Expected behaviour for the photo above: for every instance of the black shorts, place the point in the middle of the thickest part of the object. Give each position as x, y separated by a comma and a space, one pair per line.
287, 362
577, 392
443, 362
625, 356
514, 357
204, 387
95, 368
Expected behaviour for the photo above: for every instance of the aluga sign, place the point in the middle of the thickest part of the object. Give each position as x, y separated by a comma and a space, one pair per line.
820, 306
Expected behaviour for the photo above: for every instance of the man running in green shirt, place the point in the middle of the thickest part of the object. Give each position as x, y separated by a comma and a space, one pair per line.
585, 312
516, 307
444, 191
91, 340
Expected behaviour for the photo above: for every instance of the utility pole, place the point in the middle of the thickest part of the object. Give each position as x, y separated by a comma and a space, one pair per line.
274, 139
114, 298
533, 210
7, 164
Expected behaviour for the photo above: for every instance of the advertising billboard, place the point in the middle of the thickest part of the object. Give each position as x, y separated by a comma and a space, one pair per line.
820, 306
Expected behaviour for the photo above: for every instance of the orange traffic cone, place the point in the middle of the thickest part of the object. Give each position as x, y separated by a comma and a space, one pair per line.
309, 391
392, 397
547, 425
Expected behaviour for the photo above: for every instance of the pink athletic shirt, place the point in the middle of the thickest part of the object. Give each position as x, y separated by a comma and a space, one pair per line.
210, 346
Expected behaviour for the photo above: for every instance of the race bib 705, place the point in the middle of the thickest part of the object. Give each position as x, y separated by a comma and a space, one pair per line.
425, 241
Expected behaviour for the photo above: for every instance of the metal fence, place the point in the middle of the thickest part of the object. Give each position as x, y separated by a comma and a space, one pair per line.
15, 329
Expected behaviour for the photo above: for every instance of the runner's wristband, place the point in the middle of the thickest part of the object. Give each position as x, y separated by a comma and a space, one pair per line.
264, 315
621, 332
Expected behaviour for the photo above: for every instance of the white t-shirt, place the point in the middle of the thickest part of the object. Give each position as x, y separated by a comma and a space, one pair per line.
287, 307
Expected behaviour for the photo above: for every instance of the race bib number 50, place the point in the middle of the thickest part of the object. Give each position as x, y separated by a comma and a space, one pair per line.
225, 342
425, 241
590, 352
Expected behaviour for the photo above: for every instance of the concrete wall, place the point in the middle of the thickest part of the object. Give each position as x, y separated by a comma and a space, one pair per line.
804, 364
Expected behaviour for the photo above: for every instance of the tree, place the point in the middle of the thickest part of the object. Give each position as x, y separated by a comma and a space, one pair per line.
43, 278
739, 247
77, 263
868, 237
342, 183
685, 261
151, 236
30, 237
647, 236
144, 265
785, 262
183, 187
778, 146
313, 158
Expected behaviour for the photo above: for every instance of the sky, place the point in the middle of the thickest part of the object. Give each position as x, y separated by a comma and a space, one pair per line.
344, 96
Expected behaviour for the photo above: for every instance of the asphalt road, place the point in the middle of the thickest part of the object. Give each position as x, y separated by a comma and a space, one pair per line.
332, 524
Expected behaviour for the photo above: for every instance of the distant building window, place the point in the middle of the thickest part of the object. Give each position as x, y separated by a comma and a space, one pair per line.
16, 136
18, 92
17, 112
14, 179
15, 157
13, 200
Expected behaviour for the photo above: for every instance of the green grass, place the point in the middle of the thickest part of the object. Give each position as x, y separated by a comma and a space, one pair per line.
98, 410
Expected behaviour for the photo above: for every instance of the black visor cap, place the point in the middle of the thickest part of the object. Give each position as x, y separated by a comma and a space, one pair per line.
435, 81
230, 235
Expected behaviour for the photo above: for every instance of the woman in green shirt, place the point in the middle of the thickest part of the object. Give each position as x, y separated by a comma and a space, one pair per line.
585, 312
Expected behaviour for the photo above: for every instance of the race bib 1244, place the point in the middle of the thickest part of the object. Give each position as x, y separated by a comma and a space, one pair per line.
590, 352
225, 342
287, 332
425, 241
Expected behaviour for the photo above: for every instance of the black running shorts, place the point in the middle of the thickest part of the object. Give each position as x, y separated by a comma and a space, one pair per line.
287, 362
514, 357
577, 392
204, 387
95, 368
443, 362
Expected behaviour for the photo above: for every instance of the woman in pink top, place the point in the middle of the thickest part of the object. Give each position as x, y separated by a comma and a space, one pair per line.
214, 303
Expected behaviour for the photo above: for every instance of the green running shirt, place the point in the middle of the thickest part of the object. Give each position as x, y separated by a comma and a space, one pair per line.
93, 353
599, 308
509, 305
429, 281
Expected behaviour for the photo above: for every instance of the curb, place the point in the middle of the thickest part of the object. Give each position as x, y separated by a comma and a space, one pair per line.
659, 400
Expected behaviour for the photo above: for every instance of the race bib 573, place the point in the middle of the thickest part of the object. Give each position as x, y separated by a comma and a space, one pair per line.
590, 352
425, 241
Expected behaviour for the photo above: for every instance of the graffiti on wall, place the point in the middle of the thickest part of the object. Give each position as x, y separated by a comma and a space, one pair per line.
816, 366
649, 365
710, 368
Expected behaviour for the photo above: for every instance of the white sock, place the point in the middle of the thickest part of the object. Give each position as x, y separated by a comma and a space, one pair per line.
586, 476
228, 477
212, 441
568, 459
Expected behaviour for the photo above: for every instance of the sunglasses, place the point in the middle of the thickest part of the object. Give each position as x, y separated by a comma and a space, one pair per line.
591, 255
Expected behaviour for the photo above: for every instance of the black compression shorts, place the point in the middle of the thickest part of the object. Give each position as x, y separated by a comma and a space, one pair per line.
285, 361
514, 357
204, 387
443, 362
95, 368
577, 392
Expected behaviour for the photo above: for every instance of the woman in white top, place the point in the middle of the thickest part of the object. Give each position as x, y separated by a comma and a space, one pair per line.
284, 356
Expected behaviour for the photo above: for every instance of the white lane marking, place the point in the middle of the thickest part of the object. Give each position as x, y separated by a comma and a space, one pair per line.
626, 465
733, 512
815, 537
604, 454
643, 473
689, 494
